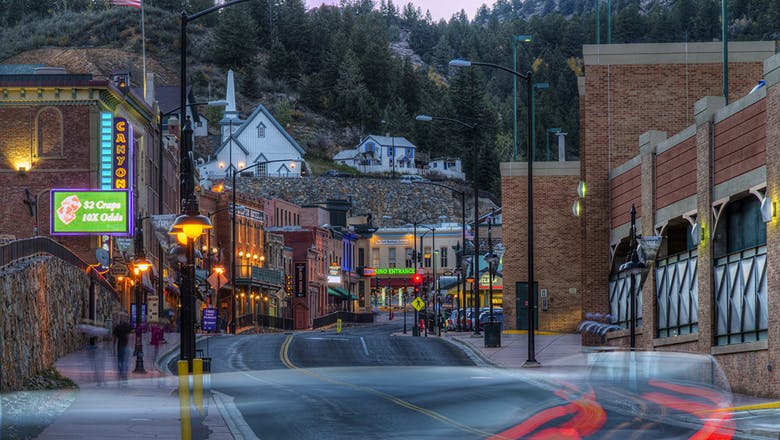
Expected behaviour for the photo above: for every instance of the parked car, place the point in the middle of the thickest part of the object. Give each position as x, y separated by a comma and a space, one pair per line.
412, 178
336, 173
498, 315
452, 321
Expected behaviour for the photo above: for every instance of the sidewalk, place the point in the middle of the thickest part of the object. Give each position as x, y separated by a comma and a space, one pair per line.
551, 349
148, 407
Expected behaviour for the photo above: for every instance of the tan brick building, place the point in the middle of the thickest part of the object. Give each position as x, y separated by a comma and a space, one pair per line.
656, 134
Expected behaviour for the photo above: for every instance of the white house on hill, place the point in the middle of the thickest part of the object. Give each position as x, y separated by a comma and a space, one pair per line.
380, 154
258, 141
447, 167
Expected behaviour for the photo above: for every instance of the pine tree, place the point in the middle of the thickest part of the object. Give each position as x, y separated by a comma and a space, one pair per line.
235, 39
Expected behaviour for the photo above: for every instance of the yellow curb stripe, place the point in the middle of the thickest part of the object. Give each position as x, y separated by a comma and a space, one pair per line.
400, 402
537, 332
767, 405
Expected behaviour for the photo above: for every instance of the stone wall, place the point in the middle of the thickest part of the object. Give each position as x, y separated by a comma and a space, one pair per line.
42, 301
377, 196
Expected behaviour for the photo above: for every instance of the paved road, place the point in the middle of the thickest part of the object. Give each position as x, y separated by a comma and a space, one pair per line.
365, 383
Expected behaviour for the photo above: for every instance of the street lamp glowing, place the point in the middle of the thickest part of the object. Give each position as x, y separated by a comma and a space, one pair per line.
524, 38
423, 118
219, 270
460, 63
192, 226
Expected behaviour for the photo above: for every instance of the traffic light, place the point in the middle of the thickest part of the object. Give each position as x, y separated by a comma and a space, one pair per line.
417, 279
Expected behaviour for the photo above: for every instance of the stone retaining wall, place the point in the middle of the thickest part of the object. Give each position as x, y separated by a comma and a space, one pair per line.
42, 301
377, 196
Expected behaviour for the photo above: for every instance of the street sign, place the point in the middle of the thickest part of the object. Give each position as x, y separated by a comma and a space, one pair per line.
418, 304
216, 280
210, 319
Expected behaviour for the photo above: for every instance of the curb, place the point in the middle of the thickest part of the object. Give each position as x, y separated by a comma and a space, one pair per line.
473, 353
232, 417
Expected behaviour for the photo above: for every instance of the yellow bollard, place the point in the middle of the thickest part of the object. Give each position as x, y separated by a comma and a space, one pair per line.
338, 325
197, 395
184, 400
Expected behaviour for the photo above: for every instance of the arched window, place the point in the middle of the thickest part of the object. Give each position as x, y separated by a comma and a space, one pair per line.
48, 130
261, 130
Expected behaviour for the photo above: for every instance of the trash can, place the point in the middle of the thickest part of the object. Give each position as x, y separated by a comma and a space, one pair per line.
415, 331
492, 334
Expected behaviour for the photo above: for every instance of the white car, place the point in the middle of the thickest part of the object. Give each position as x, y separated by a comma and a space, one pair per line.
412, 178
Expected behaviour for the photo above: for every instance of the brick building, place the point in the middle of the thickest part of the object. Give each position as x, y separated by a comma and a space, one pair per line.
61, 131
658, 135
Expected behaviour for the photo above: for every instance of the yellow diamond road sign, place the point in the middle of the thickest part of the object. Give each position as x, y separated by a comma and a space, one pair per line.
418, 304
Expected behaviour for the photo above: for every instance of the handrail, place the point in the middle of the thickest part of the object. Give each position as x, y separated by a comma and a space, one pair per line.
29, 247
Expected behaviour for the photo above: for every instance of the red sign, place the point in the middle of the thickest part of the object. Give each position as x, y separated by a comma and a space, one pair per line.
369, 271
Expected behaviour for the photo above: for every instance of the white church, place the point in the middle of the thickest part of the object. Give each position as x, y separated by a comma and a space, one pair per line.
258, 142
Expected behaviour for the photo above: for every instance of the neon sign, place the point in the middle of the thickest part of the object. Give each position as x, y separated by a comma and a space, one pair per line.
123, 144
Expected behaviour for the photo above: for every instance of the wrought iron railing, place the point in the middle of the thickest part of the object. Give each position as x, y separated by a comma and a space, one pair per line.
275, 322
30, 247
255, 274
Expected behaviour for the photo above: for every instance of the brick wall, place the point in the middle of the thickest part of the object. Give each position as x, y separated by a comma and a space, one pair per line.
772, 73
626, 192
69, 170
740, 142
556, 241
626, 93
676, 173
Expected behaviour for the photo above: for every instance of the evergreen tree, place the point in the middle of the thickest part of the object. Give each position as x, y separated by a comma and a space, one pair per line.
234, 45
352, 100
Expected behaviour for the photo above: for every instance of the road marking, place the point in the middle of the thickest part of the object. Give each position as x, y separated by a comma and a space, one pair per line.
317, 338
284, 355
363, 341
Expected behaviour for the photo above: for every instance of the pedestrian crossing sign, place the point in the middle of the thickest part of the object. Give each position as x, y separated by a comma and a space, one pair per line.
418, 304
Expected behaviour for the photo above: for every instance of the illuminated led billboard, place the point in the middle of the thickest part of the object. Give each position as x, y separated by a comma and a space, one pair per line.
88, 212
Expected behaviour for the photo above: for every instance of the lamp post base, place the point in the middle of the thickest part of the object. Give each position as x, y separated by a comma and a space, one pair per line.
531, 364
139, 363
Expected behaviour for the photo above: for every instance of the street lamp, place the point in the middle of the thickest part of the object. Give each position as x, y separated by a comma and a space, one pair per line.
528, 77
516, 39
433, 265
187, 228
462, 233
648, 248
140, 266
233, 313
473, 128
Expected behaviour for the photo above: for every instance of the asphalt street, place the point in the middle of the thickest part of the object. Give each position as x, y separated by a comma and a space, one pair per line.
366, 382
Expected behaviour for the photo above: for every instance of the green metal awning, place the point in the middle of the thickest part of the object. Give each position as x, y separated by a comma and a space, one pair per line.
334, 292
340, 292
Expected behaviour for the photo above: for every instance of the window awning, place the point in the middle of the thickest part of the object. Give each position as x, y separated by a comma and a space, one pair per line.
341, 293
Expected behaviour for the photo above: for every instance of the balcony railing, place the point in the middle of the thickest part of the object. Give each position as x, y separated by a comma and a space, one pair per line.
249, 274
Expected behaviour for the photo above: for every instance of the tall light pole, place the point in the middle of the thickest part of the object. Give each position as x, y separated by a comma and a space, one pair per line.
462, 238
233, 313
516, 39
528, 77
475, 262
140, 266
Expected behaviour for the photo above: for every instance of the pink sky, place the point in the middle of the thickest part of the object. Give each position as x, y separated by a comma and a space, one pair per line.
439, 8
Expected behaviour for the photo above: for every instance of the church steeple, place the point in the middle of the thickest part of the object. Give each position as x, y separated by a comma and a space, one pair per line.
230, 121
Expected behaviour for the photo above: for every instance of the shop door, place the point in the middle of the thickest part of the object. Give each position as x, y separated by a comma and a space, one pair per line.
521, 295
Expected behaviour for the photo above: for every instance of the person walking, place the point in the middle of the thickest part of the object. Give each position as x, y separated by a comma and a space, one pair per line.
122, 337
157, 338
97, 358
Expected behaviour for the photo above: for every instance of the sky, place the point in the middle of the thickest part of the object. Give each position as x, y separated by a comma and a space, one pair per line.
439, 8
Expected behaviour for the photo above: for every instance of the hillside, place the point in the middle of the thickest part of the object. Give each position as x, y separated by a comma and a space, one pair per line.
334, 74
